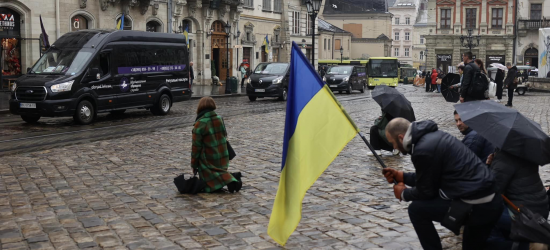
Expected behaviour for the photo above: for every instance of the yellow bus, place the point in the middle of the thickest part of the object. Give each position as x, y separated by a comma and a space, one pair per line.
342, 62
407, 72
382, 71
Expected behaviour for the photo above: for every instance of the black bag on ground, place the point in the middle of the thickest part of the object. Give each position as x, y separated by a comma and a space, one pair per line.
192, 185
479, 85
457, 215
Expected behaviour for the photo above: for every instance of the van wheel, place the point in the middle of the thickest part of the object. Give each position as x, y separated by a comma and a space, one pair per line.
348, 91
85, 112
117, 112
363, 88
162, 107
30, 119
284, 95
252, 98
521, 91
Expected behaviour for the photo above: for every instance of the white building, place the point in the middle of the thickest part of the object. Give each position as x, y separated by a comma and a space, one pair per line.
532, 15
420, 29
404, 15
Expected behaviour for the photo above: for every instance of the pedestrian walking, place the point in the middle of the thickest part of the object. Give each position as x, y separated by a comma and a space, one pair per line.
499, 78
511, 82
210, 155
440, 76
470, 69
428, 81
450, 184
243, 75
475, 142
191, 74
483, 71
434, 79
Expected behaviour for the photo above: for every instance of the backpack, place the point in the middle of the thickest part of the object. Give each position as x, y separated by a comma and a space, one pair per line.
479, 85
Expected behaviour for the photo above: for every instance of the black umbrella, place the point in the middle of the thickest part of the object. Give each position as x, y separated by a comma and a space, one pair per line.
393, 102
528, 226
450, 94
507, 129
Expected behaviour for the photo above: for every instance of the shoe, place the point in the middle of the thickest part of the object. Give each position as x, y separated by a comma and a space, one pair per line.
235, 186
497, 100
395, 152
508, 105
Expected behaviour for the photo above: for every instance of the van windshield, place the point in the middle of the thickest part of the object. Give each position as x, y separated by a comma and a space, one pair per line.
61, 62
271, 69
345, 70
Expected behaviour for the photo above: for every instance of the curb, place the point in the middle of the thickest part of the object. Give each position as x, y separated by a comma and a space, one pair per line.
4, 111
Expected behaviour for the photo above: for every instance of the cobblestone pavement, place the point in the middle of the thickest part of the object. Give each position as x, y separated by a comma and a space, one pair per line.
119, 194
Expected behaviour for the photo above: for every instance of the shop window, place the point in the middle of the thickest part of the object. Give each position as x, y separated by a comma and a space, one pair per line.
127, 23
154, 26
79, 22
10, 62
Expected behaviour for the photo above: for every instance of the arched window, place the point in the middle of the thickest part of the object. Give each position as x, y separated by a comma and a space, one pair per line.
79, 22
218, 27
153, 26
127, 23
188, 24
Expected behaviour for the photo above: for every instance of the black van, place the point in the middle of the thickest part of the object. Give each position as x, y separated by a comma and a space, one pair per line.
268, 80
90, 71
346, 78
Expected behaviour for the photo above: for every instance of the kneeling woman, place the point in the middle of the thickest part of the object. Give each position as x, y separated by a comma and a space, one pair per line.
209, 156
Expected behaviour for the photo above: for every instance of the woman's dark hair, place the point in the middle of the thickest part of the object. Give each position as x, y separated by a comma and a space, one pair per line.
206, 103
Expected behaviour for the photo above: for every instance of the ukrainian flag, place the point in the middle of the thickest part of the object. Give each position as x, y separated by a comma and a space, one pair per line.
266, 44
317, 128
120, 24
186, 34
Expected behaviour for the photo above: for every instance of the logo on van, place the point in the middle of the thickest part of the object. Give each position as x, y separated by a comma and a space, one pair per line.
124, 84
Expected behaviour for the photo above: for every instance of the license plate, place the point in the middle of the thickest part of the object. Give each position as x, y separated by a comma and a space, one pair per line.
376, 80
260, 90
333, 86
27, 105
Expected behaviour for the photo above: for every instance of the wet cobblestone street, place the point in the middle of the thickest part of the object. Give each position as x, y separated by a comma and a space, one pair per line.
119, 193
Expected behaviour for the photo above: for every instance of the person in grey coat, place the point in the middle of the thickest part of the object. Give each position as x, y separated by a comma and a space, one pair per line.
519, 180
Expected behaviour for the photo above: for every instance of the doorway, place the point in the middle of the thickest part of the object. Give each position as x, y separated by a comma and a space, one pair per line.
531, 57
219, 52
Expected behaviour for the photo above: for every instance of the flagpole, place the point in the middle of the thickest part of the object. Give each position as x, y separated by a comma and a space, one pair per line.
375, 154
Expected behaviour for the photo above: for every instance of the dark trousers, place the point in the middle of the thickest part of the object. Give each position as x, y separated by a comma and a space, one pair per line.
376, 141
500, 235
476, 230
499, 91
242, 82
510, 95
428, 84
434, 87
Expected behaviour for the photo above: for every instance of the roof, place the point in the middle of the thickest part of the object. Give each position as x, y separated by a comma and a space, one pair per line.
421, 18
354, 6
95, 37
326, 26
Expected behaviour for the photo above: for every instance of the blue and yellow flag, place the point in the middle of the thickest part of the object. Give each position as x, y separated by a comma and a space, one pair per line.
186, 34
317, 128
120, 24
266, 44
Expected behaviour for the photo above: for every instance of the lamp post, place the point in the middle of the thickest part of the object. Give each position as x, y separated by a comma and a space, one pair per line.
426, 56
313, 7
468, 41
341, 54
228, 34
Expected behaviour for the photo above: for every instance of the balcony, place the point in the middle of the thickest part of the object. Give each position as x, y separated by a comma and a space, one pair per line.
533, 24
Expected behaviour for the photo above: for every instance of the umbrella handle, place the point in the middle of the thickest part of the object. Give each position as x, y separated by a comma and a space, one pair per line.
514, 207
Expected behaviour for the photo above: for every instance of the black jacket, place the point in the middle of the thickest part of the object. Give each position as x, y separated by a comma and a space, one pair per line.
509, 81
499, 78
444, 163
519, 181
468, 74
191, 72
475, 142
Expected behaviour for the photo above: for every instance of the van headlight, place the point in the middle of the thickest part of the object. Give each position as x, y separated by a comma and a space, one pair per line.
62, 87
346, 79
13, 87
277, 80
324, 79
248, 80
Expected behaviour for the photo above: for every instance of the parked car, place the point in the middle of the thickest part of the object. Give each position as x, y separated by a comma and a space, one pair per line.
90, 71
268, 80
346, 78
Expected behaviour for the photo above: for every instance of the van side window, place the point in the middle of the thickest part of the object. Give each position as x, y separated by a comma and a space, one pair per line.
102, 63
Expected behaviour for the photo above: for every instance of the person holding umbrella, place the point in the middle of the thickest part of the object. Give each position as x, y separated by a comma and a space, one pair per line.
450, 184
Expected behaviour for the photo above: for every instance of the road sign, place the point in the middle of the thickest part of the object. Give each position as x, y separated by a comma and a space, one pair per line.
237, 46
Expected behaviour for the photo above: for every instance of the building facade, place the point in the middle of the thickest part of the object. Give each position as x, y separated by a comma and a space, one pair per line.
448, 20
404, 17
532, 15
368, 21
420, 30
331, 39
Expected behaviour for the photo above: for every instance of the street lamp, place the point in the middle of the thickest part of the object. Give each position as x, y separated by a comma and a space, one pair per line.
468, 41
426, 56
228, 34
341, 54
313, 7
